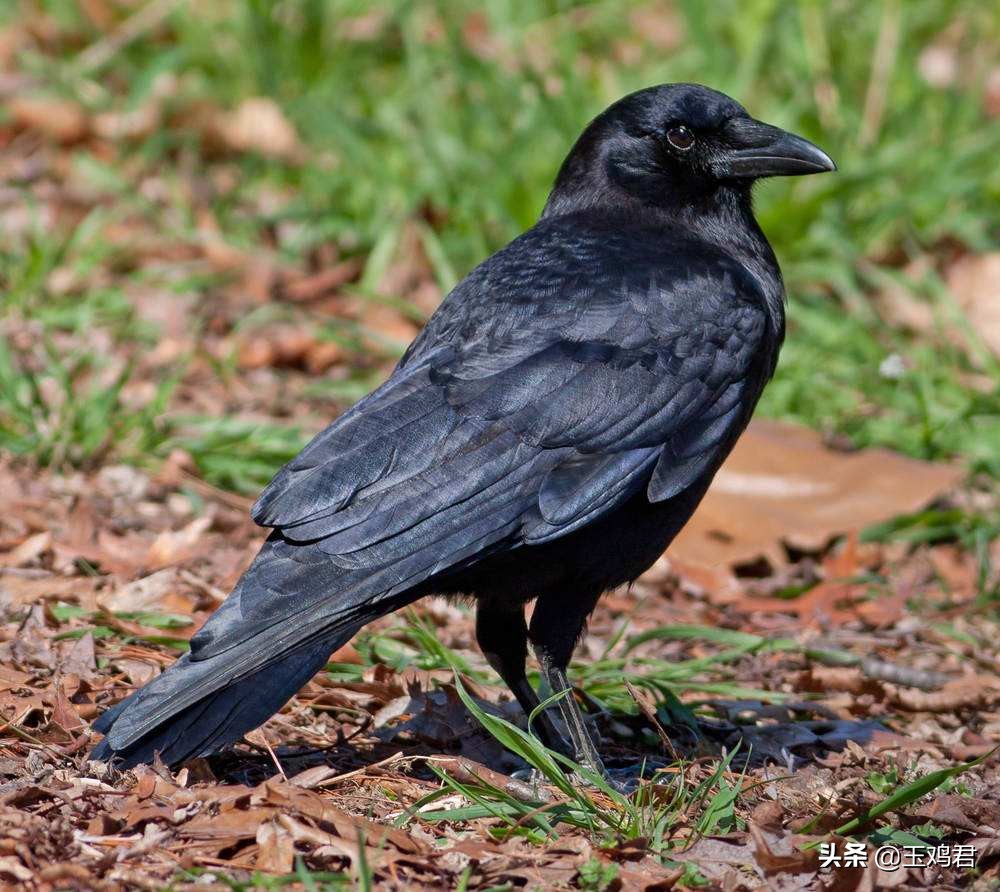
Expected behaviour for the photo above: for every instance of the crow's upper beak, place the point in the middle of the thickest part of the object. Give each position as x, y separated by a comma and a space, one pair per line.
765, 151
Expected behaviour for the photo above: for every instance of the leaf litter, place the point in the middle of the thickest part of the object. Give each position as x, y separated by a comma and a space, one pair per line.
850, 659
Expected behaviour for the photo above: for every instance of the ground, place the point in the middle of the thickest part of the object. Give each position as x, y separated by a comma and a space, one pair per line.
769, 713
222, 224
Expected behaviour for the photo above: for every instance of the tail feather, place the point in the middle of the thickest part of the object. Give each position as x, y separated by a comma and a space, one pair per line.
251, 656
216, 720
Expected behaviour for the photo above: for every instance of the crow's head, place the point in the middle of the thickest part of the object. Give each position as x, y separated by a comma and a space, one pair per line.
676, 142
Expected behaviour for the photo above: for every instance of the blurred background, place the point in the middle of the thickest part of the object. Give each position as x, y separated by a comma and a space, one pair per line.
224, 219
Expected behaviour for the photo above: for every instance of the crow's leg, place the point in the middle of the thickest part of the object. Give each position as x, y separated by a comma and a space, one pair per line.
556, 625
503, 638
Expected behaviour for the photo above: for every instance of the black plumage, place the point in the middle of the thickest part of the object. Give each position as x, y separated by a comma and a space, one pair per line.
545, 437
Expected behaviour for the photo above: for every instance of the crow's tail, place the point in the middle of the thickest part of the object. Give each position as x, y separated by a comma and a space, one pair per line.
248, 660
217, 719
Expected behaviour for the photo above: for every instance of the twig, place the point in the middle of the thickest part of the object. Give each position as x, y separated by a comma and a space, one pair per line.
650, 715
924, 679
137, 24
466, 771
6, 723
882, 670
389, 760
214, 592
266, 746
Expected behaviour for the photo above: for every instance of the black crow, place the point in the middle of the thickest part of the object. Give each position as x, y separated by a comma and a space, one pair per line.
544, 438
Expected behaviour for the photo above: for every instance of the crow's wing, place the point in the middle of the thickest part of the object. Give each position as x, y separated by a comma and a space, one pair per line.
522, 416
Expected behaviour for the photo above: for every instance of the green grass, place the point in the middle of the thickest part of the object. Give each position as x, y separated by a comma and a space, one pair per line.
302, 877
420, 122
655, 810
610, 817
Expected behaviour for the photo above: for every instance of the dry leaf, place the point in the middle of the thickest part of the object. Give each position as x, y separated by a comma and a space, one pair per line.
149, 593
276, 848
657, 24
30, 549
139, 672
64, 715
180, 545
58, 119
966, 813
991, 94
81, 660
782, 485
288, 347
974, 280
383, 326
968, 692
136, 123
777, 852
259, 125
12, 867
900, 306
310, 287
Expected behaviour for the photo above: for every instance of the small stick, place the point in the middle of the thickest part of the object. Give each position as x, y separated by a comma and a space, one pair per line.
389, 760
137, 24
214, 592
266, 746
467, 771
650, 715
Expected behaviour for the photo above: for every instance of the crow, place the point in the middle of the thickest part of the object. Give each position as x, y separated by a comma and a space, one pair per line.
544, 437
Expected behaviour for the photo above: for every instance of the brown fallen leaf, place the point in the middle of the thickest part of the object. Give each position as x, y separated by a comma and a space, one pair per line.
974, 280
174, 547
81, 659
848, 679
899, 303
64, 715
976, 815
310, 287
330, 843
12, 867
158, 591
716, 581
138, 671
384, 327
226, 828
28, 551
258, 125
658, 24
776, 852
716, 856
275, 848
991, 94
968, 692
11, 678
782, 486
291, 799
18, 591
58, 119
288, 347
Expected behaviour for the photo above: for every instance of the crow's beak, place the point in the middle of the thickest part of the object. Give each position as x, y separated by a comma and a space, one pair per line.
766, 151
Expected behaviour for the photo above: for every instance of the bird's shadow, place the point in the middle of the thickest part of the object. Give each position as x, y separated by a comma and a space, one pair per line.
751, 734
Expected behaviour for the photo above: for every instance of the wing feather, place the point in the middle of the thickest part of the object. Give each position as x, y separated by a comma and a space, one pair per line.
511, 425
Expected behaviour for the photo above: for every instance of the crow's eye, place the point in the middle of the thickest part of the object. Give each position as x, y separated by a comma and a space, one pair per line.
680, 137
